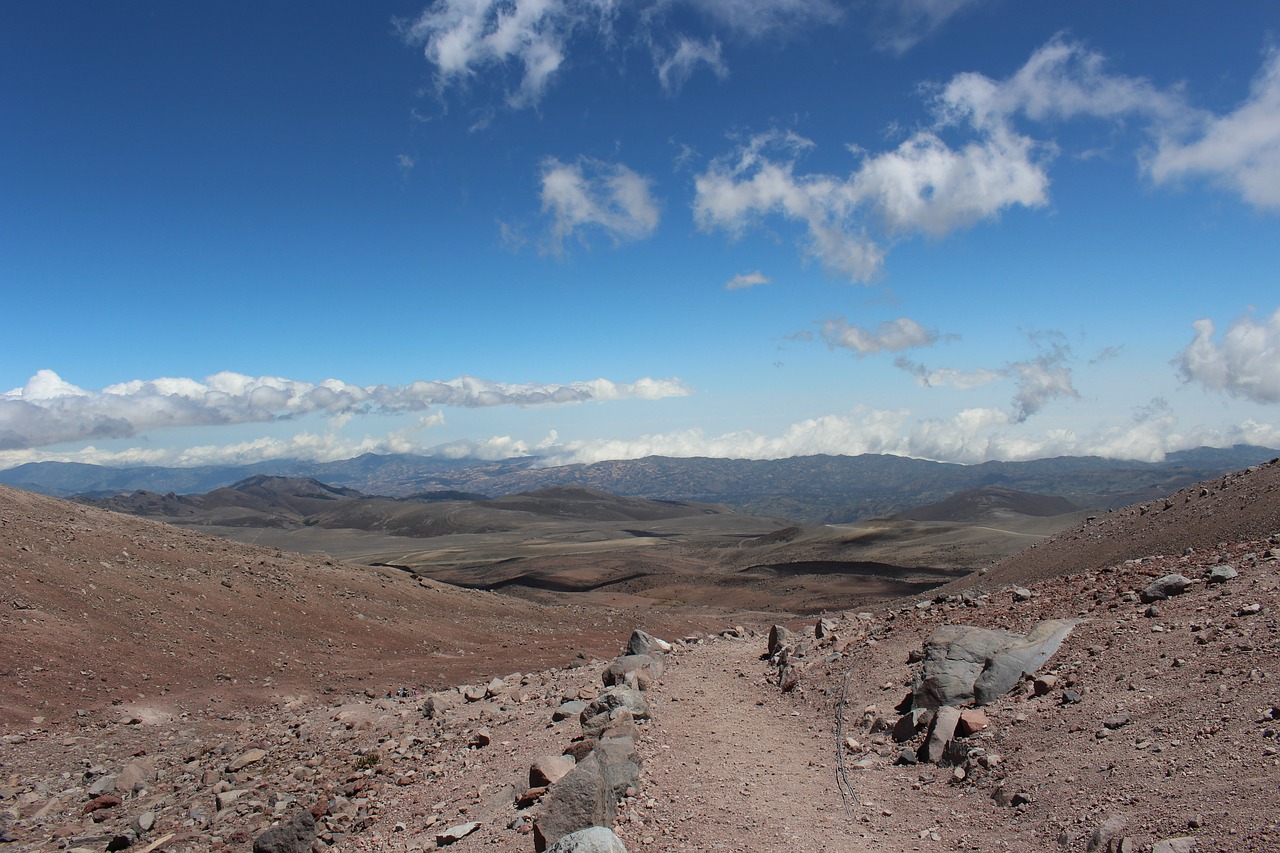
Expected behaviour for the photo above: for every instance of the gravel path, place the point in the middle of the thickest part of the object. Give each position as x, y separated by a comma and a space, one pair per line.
723, 742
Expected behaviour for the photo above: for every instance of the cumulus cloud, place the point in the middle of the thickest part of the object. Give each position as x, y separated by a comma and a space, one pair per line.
890, 336
971, 436
1061, 80
591, 194
745, 280
462, 37
1245, 363
1240, 150
935, 184
924, 186
1040, 380
49, 410
532, 39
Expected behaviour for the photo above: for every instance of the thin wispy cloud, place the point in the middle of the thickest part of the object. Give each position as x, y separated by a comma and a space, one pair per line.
590, 194
1245, 362
948, 377
905, 23
524, 44
742, 281
1037, 380
677, 66
890, 336
48, 410
765, 18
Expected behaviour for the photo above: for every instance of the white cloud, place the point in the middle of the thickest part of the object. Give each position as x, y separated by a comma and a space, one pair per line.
907, 22
949, 377
1246, 363
1036, 380
1040, 380
48, 410
1061, 80
922, 186
594, 194
405, 163
462, 37
761, 18
971, 436
675, 68
890, 336
745, 280
1240, 150
931, 186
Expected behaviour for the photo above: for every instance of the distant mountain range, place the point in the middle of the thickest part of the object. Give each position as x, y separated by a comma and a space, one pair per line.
819, 489
295, 502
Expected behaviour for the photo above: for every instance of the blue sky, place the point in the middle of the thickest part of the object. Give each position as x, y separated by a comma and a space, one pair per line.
593, 229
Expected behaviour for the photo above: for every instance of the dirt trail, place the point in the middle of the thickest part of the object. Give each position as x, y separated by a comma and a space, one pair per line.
723, 742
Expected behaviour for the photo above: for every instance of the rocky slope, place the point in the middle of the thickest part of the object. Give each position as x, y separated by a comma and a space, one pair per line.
1157, 720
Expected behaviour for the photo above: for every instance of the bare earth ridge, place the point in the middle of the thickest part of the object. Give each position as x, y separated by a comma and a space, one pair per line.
166, 658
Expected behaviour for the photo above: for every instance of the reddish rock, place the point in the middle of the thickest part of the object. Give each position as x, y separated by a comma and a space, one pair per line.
971, 722
106, 801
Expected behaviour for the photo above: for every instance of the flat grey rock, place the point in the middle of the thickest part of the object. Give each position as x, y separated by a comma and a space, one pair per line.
964, 665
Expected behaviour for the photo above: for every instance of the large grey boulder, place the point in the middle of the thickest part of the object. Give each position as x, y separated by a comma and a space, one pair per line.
779, 639
593, 839
1162, 588
617, 697
646, 668
292, 837
581, 799
621, 764
642, 643
964, 665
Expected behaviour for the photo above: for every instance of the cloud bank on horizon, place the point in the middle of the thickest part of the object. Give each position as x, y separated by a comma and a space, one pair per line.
890, 227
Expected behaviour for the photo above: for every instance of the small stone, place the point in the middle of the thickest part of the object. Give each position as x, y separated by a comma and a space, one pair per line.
1162, 588
1044, 684
1222, 574
1021, 593
972, 721
1250, 610
1115, 721
244, 759
456, 833
1186, 844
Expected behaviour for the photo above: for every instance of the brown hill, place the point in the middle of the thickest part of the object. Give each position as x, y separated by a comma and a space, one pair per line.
99, 608
989, 503
1234, 507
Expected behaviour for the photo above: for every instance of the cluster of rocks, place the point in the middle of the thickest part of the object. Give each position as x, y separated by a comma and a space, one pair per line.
580, 788
791, 653
365, 772
960, 670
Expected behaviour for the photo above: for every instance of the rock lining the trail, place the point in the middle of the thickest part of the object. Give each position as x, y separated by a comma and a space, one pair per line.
965, 665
